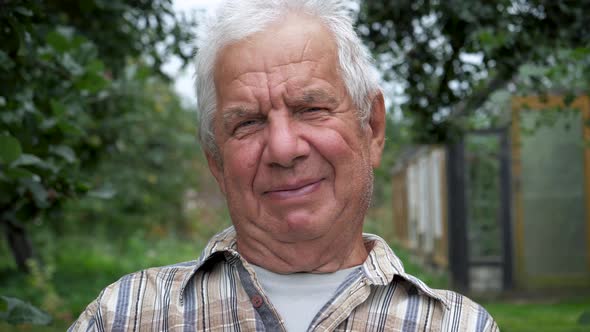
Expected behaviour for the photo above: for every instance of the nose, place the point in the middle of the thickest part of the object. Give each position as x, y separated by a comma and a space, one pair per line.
284, 144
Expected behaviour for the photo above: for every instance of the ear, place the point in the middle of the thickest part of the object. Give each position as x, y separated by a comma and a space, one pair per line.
377, 126
216, 169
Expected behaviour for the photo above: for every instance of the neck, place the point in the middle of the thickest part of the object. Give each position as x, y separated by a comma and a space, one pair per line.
314, 256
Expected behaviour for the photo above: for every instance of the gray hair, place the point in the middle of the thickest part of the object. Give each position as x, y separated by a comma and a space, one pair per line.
238, 19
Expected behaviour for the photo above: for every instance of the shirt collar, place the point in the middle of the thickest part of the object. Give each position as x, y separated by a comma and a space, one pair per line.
223, 242
380, 267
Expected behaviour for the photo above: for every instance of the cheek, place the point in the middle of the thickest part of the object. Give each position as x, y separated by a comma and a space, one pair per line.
342, 148
241, 161
338, 145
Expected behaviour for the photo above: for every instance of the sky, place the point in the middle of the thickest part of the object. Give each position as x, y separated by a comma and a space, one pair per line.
184, 79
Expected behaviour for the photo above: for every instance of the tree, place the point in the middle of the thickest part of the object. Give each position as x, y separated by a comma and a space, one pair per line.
450, 56
61, 68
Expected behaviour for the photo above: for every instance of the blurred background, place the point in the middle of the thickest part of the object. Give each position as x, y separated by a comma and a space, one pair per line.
484, 186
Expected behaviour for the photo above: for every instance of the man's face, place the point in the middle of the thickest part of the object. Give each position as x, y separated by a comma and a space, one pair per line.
296, 163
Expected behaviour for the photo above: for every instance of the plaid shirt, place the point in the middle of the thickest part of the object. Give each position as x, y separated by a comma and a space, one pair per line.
220, 292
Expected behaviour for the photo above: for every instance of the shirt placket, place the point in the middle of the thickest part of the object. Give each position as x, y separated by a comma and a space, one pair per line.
268, 315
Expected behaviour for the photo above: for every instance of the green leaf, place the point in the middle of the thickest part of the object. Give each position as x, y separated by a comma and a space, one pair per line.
82, 186
584, 318
48, 124
71, 65
15, 311
3, 305
60, 39
12, 35
32, 160
6, 62
94, 141
15, 173
6, 191
87, 6
24, 11
10, 149
105, 192
70, 128
57, 108
27, 160
95, 66
65, 152
143, 73
581, 52
529, 70
39, 193
569, 98
91, 82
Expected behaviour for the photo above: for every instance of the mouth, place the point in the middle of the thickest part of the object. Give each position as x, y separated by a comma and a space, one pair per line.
294, 190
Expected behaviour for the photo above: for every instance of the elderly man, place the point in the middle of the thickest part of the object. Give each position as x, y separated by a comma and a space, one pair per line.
292, 122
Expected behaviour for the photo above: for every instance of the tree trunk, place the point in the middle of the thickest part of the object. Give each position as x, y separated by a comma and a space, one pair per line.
20, 244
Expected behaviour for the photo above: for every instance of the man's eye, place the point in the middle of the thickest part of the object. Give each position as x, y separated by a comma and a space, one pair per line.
311, 109
246, 124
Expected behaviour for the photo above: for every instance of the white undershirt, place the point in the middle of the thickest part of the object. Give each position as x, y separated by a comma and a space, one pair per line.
298, 297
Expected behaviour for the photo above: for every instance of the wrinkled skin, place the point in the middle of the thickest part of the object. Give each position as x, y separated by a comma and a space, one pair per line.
295, 163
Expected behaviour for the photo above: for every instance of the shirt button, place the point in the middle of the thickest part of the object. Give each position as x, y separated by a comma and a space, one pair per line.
257, 301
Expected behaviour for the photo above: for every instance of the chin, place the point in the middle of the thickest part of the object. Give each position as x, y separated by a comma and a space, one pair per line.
304, 229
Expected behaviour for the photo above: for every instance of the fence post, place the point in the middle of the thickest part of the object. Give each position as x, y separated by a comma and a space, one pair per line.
457, 216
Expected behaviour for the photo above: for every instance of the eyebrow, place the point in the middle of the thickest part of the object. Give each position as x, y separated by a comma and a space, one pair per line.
238, 111
309, 96
233, 114
313, 96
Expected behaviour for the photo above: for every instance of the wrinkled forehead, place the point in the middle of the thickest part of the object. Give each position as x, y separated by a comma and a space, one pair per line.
295, 38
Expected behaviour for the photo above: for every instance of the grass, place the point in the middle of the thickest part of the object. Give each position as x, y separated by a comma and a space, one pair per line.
559, 316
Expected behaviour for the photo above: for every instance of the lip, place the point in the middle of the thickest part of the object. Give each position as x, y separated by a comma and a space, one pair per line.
293, 190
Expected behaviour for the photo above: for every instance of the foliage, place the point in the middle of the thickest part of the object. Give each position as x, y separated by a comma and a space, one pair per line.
136, 215
151, 164
15, 311
450, 56
62, 66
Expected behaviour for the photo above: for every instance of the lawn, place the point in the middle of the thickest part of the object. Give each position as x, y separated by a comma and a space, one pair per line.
556, 316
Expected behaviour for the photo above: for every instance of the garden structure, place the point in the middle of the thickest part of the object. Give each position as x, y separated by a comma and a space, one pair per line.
506, 208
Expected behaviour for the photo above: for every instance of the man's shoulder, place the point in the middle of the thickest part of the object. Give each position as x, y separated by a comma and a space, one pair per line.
457, 312
446, 309
457, 301
219, 243
461, 313
467, 312
157, 272
135, 290
173, 275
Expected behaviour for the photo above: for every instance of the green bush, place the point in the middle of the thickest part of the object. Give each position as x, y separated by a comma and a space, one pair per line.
64, 67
